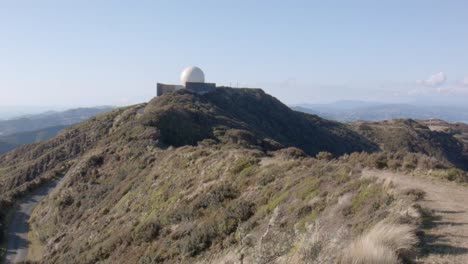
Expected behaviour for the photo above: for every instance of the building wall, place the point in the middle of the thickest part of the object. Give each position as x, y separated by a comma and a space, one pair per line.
166, 88
200, 88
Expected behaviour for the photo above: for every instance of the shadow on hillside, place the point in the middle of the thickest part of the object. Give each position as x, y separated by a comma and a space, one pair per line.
449, 212
440, 244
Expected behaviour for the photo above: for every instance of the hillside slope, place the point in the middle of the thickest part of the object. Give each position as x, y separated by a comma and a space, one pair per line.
105, 156
458, 130
14, 140
249, 115
246, 117
413, 136
212, 178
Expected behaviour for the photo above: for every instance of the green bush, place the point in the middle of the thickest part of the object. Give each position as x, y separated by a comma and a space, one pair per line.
216, 196
454, 174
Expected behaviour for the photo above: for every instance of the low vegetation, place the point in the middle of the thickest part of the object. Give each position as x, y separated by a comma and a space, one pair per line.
406, 135
385, 243
220, 178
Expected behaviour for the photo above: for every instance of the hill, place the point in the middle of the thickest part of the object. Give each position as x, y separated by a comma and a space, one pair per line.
215, 178
12, 141
115, 156
48, 119
458, 130
247, 115
415, 136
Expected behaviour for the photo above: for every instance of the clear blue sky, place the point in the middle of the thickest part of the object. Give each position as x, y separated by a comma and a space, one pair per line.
113, 52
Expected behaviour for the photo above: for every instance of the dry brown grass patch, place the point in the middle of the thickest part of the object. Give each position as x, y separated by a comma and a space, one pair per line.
384, 243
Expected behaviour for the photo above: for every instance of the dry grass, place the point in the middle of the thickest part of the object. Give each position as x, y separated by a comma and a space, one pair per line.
385, 243
35, 250
416, 193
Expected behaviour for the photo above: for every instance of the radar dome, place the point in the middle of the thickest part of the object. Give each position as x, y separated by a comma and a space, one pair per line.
192, 74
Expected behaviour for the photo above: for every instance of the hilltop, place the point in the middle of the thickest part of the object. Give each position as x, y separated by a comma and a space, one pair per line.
247, 115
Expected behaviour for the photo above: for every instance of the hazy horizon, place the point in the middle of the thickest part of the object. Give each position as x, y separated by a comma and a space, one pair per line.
93, 53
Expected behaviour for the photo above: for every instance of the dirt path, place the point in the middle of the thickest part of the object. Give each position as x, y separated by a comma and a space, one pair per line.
17, 237
447, 239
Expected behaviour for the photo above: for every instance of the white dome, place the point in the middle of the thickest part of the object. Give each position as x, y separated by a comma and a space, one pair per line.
192, 74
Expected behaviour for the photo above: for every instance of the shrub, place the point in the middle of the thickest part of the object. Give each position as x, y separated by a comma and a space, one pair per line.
410, 161
65, 201
324, 155
384, 243
216, 196
95, 161
200, 239
371, 193
239, 136
244, 164
417, 194
291, 153
215, 227
381, 162
266, 179
149, 230
241, 210
454, 175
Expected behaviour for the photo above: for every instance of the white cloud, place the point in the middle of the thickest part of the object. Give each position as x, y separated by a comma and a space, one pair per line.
434, 80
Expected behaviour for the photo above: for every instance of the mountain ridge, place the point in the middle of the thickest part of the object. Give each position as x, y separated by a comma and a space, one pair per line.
13, 141
40, 121
189, 178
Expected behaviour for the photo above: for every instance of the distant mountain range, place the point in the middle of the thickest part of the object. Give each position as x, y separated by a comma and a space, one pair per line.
39, 127
12, 141
14, 111
48, 119
373, 111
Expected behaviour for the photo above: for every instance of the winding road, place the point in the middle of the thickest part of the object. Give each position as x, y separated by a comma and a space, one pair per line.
17, 237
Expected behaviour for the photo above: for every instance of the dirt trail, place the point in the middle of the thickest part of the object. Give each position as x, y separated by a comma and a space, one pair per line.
447, 239
17, 238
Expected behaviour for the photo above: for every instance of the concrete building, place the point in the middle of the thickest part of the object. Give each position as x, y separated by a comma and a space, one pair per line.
192, 78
